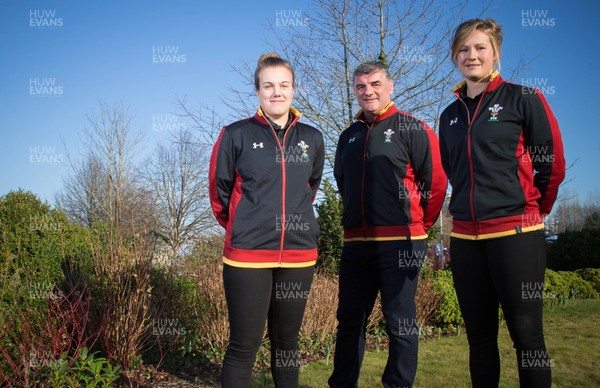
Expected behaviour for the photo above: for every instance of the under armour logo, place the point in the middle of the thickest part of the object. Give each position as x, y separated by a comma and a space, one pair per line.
454, 121
351, 140
257, 145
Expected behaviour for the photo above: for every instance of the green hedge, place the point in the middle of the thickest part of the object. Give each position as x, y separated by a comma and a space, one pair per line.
578, 288
591, 275
575, 250
448, 313
584, 283
571, 284
34, 242
555, 284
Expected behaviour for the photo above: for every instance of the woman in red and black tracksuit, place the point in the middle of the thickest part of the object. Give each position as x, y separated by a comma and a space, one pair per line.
502, 151
264, 175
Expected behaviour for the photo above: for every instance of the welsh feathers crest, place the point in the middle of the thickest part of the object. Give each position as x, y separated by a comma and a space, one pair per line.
388, 135
494, 110
304, 147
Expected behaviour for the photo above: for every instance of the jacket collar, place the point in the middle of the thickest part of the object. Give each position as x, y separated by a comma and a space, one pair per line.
386, 112
261, 118
495, 81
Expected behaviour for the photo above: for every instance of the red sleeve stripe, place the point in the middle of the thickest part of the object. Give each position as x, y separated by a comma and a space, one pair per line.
414, 196
439, 182
213, 191
526, 177
236, 196
558, 166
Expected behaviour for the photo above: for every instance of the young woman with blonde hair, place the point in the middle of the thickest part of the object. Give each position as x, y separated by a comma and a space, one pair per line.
502, 151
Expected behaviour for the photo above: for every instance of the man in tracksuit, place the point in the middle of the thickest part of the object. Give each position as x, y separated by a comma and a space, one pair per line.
389, 175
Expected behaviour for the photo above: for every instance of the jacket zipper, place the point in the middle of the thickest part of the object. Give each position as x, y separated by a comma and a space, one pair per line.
283, 185
470, 156
362, 188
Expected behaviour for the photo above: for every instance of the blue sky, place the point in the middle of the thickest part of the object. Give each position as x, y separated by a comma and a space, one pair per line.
92, 50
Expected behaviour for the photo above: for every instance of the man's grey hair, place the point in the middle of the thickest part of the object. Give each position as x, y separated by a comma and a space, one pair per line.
371, 66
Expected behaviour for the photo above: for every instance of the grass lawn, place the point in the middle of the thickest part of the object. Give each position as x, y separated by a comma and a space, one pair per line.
572, 337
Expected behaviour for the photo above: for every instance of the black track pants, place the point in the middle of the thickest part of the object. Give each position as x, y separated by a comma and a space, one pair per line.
257, 295
506, 271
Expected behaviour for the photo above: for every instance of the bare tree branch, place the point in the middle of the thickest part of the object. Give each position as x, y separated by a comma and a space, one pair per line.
410, 37
102, 187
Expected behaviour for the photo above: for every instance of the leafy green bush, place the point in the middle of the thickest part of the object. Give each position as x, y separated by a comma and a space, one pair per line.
592, 275
554, 284
31, 343
84, 370
30, 254
197, 300
34, 241
578, 288
331, 238
563, 285
449, 310
173, 332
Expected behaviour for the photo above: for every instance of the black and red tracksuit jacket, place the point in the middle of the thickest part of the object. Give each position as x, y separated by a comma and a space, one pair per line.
504, 162
390, 177
261, 191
